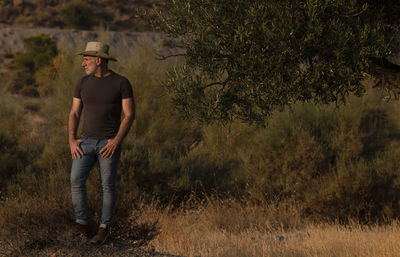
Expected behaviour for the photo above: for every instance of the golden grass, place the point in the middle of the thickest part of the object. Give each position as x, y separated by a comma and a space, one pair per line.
211, 227
233, 229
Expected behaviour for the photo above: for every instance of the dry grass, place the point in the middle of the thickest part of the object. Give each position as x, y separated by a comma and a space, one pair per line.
221, 228
234, 229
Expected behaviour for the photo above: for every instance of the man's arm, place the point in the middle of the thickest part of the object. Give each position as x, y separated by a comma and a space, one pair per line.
128, 108
73, 123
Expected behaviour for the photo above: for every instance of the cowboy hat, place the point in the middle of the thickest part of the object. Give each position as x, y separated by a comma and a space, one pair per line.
97, 49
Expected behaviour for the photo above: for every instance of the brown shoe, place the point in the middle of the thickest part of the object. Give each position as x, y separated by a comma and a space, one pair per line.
82, 229
101, 236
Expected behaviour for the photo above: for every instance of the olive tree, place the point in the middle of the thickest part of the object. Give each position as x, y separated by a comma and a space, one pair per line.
243, 59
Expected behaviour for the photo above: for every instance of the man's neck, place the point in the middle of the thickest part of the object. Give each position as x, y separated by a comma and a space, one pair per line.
102, 72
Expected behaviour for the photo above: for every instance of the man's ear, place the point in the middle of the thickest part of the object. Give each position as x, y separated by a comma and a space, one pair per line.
98, 61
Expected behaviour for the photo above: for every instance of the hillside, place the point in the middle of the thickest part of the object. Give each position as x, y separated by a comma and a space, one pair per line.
69, 21
115, 15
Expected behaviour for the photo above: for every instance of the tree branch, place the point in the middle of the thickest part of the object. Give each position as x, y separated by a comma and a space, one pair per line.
165, 57
355, 14
386, 73
384, 63
223, 84
213, 84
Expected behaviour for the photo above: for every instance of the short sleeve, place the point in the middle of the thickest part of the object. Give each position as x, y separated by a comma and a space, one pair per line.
77, 91
126, 89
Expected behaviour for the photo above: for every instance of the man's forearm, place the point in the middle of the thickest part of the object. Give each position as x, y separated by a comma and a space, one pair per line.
73, 123
126, 124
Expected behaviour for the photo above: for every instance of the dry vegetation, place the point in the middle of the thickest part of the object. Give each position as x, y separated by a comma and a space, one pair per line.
317, 181
227, 228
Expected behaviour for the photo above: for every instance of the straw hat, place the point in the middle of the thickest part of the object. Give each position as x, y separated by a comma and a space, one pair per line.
97, 49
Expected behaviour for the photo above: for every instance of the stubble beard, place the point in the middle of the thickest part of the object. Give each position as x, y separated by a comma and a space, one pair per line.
90, 70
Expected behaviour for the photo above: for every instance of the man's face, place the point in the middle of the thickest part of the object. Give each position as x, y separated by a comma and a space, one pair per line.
91, 64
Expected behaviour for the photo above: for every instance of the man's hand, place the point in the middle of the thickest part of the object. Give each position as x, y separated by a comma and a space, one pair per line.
110, 148
76, 151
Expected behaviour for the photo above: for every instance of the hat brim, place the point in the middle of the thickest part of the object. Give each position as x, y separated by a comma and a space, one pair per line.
98, 54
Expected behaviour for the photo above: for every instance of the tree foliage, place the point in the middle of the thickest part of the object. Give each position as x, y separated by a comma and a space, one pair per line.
246, 58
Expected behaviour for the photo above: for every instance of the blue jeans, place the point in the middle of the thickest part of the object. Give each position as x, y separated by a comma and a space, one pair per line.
79, 173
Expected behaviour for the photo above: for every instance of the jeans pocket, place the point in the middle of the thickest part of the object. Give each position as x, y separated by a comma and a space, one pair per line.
82, 145
103, 143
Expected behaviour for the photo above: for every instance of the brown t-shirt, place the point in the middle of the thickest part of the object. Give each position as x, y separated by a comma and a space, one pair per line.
102, 103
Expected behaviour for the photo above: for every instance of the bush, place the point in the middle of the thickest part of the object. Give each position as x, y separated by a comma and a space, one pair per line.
23, 83
46, 75
77, 15
39, 50
337, 162
12, 159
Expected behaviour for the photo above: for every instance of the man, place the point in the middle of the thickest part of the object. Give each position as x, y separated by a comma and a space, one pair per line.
102, 94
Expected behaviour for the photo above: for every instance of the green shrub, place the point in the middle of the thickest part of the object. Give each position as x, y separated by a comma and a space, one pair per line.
45, 76
78, 15
23, 83
339, 163
39, 50
12, 159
